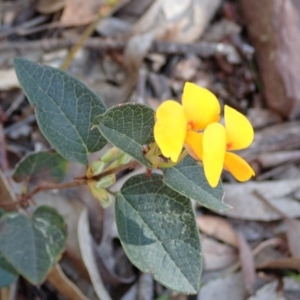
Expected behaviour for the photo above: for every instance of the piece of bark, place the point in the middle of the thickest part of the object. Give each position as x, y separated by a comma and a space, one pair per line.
273, 27
247, 263
274, 159
280, 137
219, 228
261, 118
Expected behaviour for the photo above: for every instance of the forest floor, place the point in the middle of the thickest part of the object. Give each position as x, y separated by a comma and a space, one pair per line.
144, 51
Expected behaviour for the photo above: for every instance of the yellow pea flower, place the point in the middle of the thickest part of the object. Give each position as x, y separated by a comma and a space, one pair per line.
194, 125
218, 140
178, 125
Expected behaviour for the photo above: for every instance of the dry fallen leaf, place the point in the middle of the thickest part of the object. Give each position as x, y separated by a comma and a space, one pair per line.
216, 255
65, 286
281, 137
78, 12
219, 228
293, 236
107, 253
247, 263
183, 21
8, 80
246, 205
145, 287
50, 6
273, 159
229, 287
292, 226
87, 252
269, 291
261, 118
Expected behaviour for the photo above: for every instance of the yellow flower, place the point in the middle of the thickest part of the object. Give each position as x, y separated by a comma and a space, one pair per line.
178, 125
194, 125
218, 140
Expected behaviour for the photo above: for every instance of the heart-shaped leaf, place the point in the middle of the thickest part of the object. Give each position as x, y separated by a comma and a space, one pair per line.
64, 108
158, 232
33, 246
128, 127
188, 179
41, 162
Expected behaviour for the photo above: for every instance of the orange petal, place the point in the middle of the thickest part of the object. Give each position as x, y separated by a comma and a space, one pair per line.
214, 147
193, 144
170, 129
200, 105
238, 167
239, 131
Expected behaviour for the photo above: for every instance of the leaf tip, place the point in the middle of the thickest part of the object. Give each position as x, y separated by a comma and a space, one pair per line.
18, 61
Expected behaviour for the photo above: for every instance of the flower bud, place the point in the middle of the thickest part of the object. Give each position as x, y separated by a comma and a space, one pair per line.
100, 194
106, 181
95, 168
111, 154
124, 159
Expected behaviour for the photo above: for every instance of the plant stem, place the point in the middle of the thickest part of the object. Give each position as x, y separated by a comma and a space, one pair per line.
54, 186
24, 199
130, 165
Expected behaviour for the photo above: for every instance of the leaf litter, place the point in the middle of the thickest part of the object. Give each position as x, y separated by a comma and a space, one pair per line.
144, 50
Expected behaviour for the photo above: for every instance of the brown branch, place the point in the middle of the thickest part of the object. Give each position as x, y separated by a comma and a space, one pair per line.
203, 49
130, 165
54, 186
24, 199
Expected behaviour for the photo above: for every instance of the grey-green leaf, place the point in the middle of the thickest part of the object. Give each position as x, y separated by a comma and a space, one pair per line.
188, 179
33, 246
40, 163
158, 232
128, 127
64, 108
7, 274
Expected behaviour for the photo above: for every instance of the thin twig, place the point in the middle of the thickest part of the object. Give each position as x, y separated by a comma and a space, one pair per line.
24, 199
80, 182
203, 49
54, 186
3, 158
86, 34
89, 30
271, 242
21, 31
130, 165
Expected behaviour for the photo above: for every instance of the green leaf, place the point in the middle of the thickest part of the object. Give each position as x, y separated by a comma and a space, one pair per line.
158, 232
7, 274
128, 127
41, 162
64, 109
33, 246
188, 179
